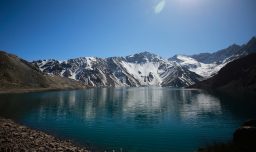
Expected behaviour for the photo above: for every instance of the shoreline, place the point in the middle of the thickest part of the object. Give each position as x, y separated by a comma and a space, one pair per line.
16, 137
30, 90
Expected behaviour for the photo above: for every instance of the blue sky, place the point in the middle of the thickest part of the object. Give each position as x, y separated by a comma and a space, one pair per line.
62, 29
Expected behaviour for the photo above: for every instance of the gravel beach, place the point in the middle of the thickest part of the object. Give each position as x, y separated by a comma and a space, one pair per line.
15, 137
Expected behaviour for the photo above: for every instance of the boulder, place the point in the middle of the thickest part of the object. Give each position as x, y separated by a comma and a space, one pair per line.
245, 136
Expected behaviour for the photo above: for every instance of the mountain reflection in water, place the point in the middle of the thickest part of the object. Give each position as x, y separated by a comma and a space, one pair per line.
135, 119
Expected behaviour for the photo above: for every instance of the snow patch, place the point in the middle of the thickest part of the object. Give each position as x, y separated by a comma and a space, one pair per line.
144, 72
202, 69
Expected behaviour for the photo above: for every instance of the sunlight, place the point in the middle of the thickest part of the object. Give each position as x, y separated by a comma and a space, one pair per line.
180, 4
159, 7
189, 3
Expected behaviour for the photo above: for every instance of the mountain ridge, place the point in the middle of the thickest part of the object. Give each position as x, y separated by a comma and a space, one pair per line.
145, 68
208, 64
141, 69
19, 74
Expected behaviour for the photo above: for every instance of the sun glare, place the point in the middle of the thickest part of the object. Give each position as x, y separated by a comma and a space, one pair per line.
160, 6
189, 2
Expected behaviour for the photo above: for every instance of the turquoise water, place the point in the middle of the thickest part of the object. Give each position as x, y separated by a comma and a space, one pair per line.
148, 119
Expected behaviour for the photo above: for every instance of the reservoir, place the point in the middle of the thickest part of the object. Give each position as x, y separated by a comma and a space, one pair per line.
144, 119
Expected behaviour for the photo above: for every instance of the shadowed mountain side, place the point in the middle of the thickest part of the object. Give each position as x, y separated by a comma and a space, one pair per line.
237, 75
16, 73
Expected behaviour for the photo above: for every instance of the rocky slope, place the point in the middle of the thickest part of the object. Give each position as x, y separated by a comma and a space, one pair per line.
244, 140
236, 75
16, 73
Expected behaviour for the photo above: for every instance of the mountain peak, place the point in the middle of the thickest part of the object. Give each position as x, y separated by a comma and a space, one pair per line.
252, 40
145, 53
250, 47
143, 57
234, 46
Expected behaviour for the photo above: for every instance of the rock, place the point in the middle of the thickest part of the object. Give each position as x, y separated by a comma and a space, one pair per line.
41, 149
37, 142
60, 149
7, 125
34, 135
245, 136
15, 134
24, 134
251, 122
52, 145
21, 127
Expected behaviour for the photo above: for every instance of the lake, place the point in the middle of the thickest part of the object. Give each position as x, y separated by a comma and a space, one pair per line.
146, 119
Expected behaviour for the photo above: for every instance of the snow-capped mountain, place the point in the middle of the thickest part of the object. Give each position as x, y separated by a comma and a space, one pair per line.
203, 69
142, 69
208, 64
146, 69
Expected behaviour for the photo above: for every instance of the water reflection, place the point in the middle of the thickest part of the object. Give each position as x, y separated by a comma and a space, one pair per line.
144, 105
199, 105
161, 119
147, 106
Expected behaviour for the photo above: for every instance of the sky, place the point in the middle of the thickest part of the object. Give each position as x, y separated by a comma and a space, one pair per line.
63, 29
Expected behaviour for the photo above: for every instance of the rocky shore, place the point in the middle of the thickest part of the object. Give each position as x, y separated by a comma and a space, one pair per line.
15, 137
244, 140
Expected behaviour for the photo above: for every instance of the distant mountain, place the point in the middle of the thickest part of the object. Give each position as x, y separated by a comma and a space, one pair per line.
141, 69
236, 75
208, 64
249, 48
16, 73
145, 68
219, 56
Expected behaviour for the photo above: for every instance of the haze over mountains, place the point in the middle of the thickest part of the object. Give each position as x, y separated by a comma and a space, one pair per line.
145, 68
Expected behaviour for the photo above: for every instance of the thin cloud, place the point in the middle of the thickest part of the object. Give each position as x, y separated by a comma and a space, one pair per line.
159, 6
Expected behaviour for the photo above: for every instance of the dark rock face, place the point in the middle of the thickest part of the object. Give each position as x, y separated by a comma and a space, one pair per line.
245, 136
14, 137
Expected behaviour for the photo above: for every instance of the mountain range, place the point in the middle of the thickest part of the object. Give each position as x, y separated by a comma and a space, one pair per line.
145, 68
